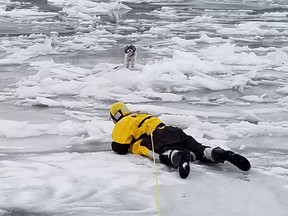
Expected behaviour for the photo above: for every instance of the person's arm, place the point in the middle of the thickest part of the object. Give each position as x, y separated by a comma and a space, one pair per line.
120, 148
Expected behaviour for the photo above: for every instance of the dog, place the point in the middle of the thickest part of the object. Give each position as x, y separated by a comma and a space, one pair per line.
130, 56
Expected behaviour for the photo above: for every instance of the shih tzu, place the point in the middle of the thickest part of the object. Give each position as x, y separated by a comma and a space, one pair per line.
130, 56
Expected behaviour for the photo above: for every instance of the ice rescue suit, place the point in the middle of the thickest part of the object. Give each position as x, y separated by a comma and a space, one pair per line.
133, 133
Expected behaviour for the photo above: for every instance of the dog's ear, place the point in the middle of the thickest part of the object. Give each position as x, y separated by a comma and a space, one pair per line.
125, 49
133, 47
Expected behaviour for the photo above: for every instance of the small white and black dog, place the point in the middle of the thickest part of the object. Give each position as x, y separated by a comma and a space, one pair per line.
130, 56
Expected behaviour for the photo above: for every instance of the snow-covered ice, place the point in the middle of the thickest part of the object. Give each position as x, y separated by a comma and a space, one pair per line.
217, 69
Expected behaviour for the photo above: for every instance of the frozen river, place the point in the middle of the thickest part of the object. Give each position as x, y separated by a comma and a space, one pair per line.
217, 69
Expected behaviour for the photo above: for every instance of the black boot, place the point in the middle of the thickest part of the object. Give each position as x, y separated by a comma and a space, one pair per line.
177, 159
220, 155
181, 161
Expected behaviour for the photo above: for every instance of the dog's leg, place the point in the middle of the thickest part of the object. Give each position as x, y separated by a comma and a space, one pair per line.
126, 60
132, 61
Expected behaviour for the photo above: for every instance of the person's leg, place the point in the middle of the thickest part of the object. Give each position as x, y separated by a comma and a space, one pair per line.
196, 148
207, 154
177, 159
167, 143
220, 155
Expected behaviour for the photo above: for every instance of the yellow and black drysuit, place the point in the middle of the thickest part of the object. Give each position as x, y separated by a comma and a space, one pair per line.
132, 133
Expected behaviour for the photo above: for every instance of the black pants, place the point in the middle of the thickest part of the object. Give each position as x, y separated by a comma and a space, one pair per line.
174, 138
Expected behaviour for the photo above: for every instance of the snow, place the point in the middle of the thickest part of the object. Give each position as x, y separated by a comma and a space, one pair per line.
55, 131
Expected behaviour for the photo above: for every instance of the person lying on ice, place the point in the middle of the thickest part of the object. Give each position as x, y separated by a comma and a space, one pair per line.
138, 133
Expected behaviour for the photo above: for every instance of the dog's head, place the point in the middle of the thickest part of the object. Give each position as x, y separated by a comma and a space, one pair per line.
130, 50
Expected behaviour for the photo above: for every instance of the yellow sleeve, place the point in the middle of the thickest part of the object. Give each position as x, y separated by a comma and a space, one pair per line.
122, 132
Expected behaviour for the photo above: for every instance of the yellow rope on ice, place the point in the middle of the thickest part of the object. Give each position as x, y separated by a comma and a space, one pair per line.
156, 177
